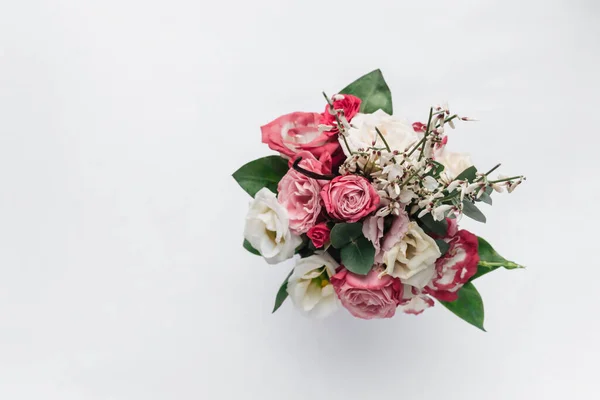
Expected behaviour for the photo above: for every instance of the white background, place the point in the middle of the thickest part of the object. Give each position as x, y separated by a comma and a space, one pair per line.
121, 270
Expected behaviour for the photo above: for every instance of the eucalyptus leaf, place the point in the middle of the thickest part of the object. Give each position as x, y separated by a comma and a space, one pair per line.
442, 245
490, 260
468, 306
430, 225
342, 234
249, 247
282, 293
373, 92
264, 172
486, 198
471, 211
468, 174
358, 256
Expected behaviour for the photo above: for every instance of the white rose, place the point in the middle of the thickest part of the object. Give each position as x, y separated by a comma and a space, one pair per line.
454, 163
310, 288
413, 258
267, 228
398, 133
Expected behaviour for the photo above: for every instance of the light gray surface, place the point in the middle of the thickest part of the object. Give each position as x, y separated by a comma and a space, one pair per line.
121, 270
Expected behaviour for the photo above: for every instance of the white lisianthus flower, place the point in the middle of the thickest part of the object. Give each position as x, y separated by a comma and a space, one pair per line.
310, 288
398, 133
267, 228
413, 257
454, 163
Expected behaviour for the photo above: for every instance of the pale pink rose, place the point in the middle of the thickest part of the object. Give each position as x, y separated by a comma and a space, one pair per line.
300, 195
349, 198
351, 106
368, 296
456, 267
319, 234
298, 131
373, 231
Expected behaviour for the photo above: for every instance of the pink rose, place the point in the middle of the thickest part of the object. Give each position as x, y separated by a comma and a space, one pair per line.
351, 106
368, 296
299, 194
295, 132
349, 198
456, 267
319, 234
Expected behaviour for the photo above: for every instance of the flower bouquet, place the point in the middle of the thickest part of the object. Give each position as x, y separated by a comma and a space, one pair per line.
370, 203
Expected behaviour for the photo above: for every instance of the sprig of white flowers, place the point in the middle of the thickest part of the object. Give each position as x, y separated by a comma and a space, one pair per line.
412, 179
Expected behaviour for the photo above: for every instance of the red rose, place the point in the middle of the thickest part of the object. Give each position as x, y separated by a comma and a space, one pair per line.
351, 106
319, 234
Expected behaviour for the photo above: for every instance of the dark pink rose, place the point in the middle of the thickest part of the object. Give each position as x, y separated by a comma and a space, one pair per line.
351, 106
368, 296
300, 195
319, 234
295, 132
456, 267
349, 198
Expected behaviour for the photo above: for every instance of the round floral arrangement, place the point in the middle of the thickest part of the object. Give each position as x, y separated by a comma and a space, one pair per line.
369, 204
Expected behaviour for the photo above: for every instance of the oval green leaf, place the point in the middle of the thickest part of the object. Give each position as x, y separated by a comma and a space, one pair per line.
342, 234
264, 172
468, 306
358, 256
373, 92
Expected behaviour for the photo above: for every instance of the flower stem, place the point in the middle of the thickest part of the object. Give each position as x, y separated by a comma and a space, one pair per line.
387, 146
507, 179
308, 173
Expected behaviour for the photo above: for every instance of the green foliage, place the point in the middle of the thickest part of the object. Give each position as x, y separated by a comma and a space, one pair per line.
471, 211
442, 245
468, 306
373, 91
249, 247
468, 174
358, 256
431, 226
264, 172
282, 293
342, 234
490, 260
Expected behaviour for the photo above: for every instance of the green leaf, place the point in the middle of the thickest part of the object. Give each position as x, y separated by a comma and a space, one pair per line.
486, 198
358, 256
437, 169
342, 234
490, 260
471, 211
468, 174
373, 91
249, 247
264, 172
442, 245
468, 306
282, 293
438, 228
